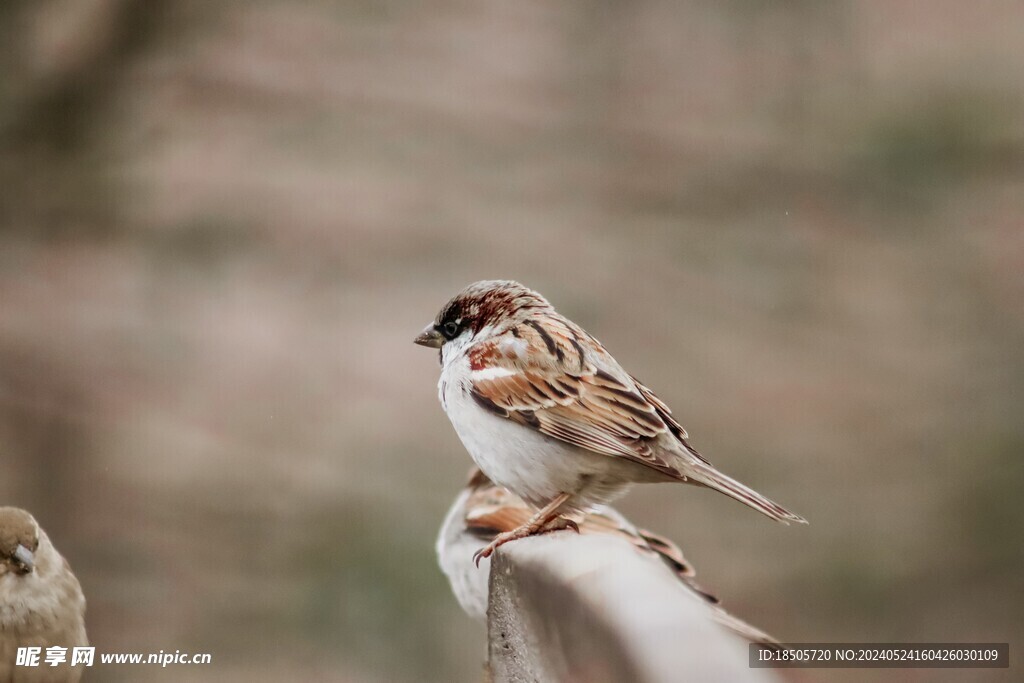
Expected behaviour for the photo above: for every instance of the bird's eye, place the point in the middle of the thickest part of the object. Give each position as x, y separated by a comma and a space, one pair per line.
450, 329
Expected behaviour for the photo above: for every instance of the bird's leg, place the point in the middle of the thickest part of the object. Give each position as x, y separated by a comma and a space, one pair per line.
545, 520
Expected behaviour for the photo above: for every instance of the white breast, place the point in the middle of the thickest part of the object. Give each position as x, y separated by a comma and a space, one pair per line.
531, 465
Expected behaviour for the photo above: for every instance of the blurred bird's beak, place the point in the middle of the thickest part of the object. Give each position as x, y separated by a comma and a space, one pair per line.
429, 337
24, 559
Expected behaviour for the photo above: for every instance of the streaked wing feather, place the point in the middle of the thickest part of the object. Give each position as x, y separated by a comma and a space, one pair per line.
592, 437
565, 395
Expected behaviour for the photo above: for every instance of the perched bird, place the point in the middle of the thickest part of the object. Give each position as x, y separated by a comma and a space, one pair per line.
546, 412
41, 602
482, 510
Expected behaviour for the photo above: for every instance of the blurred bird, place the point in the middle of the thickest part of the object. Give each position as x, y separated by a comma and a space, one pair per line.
546, 412
482, 510
41, 602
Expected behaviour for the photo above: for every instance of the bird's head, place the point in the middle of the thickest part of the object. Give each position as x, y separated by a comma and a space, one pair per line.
19, 541
482, 310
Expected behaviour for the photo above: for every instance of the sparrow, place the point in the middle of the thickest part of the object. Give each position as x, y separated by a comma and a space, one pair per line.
483, 510
545, 411
41, 602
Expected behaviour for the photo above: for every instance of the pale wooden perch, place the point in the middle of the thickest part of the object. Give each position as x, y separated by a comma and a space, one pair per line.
576, 608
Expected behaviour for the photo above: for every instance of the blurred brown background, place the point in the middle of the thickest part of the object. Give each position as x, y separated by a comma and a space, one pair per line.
801, 222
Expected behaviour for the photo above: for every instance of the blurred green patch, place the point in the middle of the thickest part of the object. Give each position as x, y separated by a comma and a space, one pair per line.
204, 242
375, 590
350, 584
985, 508
910, 154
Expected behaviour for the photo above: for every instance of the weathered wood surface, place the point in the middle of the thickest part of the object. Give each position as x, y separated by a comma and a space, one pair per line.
576, 608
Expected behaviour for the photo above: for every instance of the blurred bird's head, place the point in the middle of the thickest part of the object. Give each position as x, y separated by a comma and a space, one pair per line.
19, 541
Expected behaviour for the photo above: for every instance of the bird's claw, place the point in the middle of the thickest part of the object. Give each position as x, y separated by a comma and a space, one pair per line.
557, 524
481, 554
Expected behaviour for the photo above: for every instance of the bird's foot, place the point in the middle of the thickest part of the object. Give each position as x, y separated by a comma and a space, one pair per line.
556, 524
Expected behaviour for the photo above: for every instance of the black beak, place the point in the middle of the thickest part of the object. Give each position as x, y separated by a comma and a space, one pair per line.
430, 337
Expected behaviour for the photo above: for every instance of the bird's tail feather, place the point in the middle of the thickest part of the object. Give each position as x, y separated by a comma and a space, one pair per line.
712, 478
